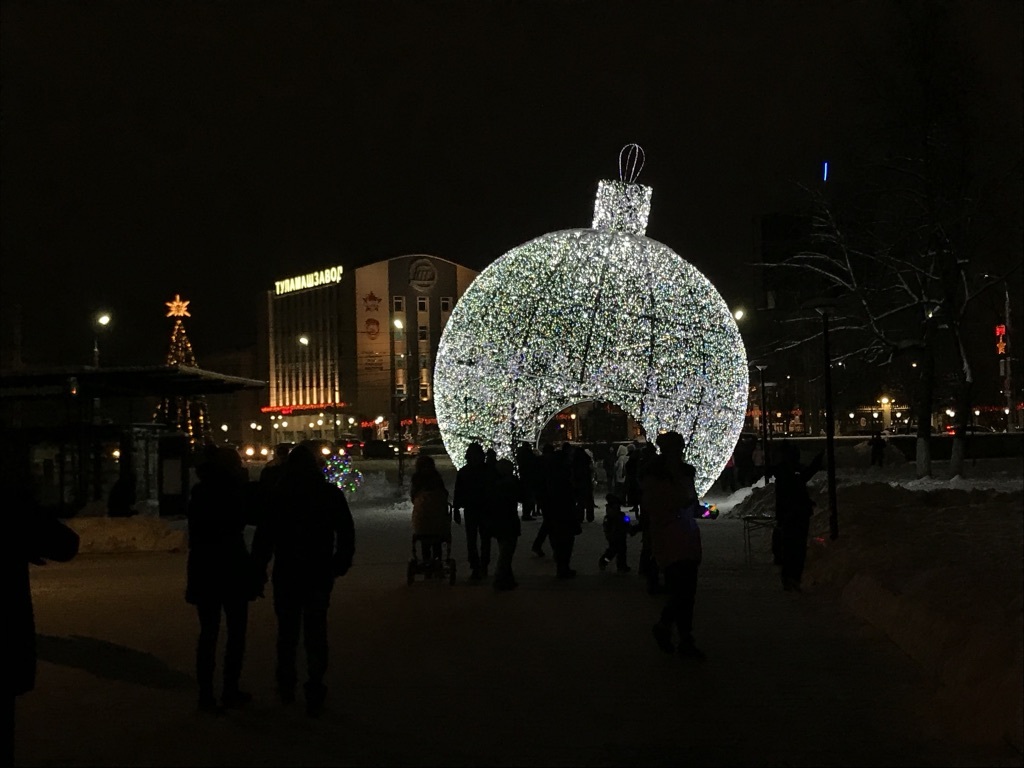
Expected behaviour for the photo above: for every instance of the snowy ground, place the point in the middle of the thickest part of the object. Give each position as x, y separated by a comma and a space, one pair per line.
934, 563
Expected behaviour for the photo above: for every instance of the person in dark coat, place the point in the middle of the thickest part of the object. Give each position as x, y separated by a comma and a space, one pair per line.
220, 578
30, 537
877, 444
430, 521
560, 511
123, 496
503, 522
526, 464
541, 490
669, 502
633, 477
647, 567
311, 538
793, 510
471, 497
583, 483
616, 528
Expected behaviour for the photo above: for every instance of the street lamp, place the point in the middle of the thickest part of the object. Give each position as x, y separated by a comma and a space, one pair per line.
102, 321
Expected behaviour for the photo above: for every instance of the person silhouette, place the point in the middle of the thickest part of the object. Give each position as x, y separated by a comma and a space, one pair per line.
669, 503
470, 496
793, 511
309, 534
219, 574
31, 537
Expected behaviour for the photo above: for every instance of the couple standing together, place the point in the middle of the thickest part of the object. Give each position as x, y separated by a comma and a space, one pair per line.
304, 527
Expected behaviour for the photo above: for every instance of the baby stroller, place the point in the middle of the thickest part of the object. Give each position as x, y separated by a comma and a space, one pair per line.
432, 531
437, 567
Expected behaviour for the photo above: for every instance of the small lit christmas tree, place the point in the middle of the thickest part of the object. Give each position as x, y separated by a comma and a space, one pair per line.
339, 471
187, 414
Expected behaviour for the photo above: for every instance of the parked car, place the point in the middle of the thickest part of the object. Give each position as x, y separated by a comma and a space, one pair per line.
970, 429
379, 449
389, 449
433, 447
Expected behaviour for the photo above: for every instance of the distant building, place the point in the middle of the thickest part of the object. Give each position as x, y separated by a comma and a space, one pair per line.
352, 352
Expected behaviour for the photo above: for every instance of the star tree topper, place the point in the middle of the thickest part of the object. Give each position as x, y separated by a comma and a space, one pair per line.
177, 308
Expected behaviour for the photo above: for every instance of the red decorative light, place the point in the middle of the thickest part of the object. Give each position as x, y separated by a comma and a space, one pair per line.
1000, 330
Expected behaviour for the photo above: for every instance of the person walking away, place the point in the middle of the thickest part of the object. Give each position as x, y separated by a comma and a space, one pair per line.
616, 528
503, 522
647, 567
793, 510
123, 495
31, 537
582, 469
470, 497
877, 444
730, 484
220, 579
670, 503
526, 462
310, 536
430, 521
633, 476
560, 511
542, 498
757, 459
619, 473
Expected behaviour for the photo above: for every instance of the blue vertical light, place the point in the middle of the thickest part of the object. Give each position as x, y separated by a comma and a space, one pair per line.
824, 173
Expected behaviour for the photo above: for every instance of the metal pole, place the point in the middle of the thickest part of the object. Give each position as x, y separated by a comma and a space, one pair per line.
764, 423
830, 433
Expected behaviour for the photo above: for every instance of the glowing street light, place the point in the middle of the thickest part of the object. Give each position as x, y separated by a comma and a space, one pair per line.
102, 320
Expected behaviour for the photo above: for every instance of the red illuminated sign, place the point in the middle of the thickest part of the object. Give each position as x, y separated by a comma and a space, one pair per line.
1001, 339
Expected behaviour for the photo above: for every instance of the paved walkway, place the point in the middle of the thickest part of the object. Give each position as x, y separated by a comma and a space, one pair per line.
554, 673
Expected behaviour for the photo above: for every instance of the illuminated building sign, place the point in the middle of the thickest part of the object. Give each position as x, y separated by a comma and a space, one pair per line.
1000, 339
327, 276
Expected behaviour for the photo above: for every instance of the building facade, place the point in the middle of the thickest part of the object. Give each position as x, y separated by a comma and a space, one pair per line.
351, 352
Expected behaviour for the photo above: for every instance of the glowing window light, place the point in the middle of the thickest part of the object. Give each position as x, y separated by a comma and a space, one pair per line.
824, 171
603, 314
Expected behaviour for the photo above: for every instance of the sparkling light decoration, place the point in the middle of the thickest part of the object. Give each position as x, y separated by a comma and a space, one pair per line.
603, 314
340, 472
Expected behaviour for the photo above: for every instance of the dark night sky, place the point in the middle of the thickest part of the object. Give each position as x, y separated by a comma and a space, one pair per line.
208, 148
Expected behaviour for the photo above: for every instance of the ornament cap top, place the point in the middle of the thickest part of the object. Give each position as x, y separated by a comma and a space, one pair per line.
631, 162
624, 205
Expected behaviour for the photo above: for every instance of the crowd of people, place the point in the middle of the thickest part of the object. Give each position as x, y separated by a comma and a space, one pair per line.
304, 527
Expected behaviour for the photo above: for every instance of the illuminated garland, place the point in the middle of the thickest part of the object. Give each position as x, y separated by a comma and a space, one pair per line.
339, 471
601, 314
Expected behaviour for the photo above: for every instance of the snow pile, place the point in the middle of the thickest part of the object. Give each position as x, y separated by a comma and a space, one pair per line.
936, 564
376, 487
128, 534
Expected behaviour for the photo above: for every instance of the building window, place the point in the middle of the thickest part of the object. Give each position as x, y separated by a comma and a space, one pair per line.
398, 303
424, 362
424, 390
424, 333
446, 303
421, 303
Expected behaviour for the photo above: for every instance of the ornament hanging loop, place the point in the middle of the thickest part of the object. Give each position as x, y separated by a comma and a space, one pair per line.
631, 162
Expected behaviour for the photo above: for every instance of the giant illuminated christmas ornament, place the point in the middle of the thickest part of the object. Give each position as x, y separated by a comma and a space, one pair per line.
602, 314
